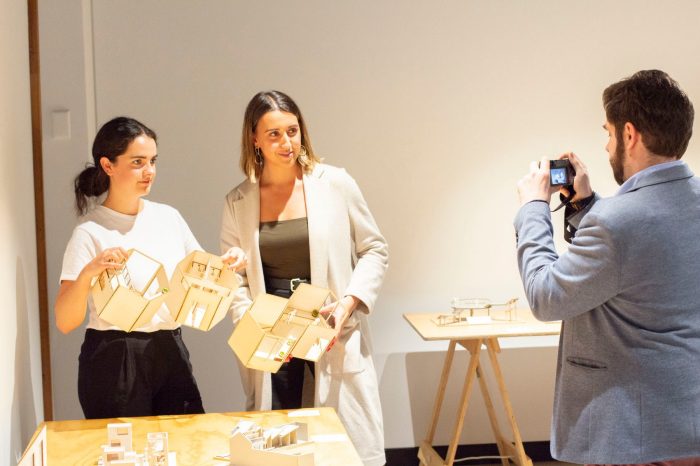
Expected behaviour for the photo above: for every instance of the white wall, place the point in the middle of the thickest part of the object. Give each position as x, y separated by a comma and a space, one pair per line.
435, 108
21, 402
66, 75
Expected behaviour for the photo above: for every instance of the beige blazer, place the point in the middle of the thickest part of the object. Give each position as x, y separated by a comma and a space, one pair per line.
349, 256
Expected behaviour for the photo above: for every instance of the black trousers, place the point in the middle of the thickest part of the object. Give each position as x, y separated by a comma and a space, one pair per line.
124, 374
288, 381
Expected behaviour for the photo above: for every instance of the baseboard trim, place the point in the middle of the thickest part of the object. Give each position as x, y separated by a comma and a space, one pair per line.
537, 451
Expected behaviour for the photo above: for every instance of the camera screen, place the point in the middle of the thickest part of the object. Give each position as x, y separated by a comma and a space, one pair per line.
557, 176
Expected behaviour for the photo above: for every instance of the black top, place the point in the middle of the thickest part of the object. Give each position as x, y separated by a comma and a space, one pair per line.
284, 248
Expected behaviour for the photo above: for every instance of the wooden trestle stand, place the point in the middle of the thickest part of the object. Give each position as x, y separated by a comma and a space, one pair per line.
473, 337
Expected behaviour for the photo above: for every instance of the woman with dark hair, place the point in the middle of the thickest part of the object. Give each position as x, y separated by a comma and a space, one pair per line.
147, 371
299, 220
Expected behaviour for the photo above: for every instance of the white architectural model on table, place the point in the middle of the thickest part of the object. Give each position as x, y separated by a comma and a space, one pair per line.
275, 329
478, 311
283, 445
201, 290
119, 436
119, 451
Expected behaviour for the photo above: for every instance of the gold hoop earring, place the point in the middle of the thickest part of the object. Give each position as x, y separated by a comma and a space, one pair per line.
303, 155
258, 156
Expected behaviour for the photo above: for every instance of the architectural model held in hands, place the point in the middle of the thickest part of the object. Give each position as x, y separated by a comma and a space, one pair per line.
201, 290
283, 445
128, 297
198, 294
275, 329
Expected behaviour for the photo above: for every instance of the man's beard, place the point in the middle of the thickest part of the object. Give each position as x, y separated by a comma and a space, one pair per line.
617, 161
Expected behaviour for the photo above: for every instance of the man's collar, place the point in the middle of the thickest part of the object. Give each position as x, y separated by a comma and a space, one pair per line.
659, 173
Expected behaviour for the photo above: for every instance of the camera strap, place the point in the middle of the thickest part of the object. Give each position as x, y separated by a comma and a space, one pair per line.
567, 199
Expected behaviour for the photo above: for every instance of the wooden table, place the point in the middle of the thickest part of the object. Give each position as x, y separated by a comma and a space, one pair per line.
195, 438
473, 337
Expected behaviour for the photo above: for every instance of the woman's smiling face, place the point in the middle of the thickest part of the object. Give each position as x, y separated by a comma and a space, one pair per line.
278, 136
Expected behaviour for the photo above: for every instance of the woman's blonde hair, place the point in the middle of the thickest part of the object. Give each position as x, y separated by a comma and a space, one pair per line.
259, 105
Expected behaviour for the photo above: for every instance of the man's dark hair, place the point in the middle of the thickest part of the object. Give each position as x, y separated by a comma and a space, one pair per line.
657, 107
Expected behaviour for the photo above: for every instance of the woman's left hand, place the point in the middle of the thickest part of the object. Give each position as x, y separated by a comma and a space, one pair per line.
235, 258
338, 312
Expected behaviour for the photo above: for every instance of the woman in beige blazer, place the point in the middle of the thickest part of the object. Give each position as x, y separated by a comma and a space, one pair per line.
346, 254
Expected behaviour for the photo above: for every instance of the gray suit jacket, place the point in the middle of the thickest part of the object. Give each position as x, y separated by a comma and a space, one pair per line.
628, 290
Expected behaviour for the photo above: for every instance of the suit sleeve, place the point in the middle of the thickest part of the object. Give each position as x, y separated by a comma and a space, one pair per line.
581, 279
229, 238
371, 250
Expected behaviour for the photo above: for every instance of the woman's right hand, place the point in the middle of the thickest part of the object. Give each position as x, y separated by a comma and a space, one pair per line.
72, 296
111, 258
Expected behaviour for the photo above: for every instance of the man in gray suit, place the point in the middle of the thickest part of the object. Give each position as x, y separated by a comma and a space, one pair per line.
628, 288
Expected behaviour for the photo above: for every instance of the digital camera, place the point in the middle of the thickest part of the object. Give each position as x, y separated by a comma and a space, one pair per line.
561, 173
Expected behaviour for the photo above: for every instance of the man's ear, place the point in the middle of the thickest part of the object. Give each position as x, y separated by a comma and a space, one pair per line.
106, 165
630, 136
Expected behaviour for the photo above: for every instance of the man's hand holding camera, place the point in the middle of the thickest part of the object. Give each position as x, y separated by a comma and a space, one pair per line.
535, 185
582, 184
539, 185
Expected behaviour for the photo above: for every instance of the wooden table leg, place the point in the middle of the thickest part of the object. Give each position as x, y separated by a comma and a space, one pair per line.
519, 457
501, 442
426, 452
441, 391
474, 347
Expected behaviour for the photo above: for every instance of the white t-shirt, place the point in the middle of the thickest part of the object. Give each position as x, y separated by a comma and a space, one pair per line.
158, 231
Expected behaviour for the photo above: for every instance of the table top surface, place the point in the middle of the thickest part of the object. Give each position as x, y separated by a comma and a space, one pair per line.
523, 324
197, 438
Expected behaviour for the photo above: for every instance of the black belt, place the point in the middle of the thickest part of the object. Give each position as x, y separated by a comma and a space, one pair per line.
121, 333
284, 284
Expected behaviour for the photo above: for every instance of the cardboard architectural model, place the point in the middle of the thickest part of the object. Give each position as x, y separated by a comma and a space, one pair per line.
201, 290
284, 445
129, 297
275, 329
198, 295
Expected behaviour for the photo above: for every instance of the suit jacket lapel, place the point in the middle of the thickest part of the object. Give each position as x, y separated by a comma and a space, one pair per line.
316, 193
247, 214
